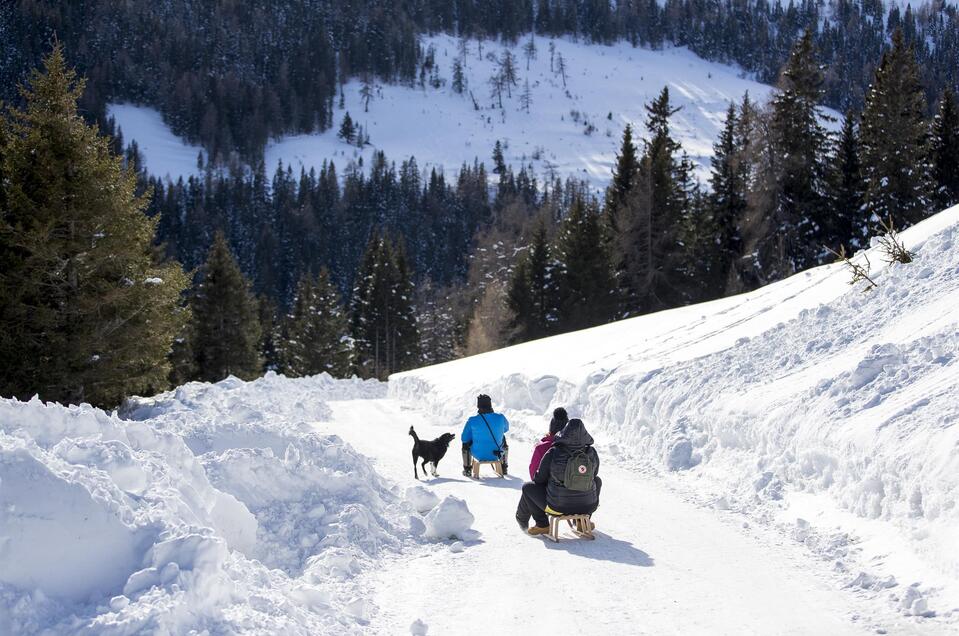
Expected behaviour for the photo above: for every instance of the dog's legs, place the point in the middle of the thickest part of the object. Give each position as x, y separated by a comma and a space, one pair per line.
425, 472
435, 474
416, 475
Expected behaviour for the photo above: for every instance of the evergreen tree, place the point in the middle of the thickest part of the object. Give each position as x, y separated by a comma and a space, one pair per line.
894, 144
507, 71
585, 286
727, 201
646, 247
845, 191
624, 176
526, 99
271, 334
87, 312
945, 151
347, 129
226, 324
532, 294
459, 80
499, 163
316, 331
383, 319
438, 324
529, 50
799, 148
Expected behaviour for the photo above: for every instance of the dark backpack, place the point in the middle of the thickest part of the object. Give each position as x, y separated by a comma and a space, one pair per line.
580, 470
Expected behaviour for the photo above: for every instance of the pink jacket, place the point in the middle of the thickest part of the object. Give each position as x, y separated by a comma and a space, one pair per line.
538, 451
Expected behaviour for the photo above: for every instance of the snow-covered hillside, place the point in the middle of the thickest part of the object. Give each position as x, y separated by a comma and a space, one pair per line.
779, 462
569, 131
829, 412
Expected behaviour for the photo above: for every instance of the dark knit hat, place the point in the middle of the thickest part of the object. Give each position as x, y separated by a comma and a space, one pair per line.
559, 420
484, 404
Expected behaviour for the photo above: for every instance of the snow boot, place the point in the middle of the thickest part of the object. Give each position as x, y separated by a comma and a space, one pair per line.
538, 530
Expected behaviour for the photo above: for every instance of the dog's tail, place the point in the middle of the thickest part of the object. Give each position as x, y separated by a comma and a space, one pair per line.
415, 436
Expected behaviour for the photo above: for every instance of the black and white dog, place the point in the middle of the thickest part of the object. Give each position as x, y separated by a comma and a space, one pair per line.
431, 452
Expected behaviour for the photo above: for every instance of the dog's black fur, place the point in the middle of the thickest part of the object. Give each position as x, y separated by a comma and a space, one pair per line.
431, 452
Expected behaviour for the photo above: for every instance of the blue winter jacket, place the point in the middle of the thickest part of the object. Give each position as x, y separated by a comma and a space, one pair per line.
476, 432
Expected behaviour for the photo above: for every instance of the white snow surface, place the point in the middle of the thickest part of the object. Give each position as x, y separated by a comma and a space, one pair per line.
821, 410
451, 519
212, 507
166, 155
607, 86
783, 462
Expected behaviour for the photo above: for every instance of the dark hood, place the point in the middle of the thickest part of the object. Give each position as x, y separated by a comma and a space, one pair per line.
574, 435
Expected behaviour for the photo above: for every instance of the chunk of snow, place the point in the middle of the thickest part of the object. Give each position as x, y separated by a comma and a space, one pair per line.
449, 520
422, 499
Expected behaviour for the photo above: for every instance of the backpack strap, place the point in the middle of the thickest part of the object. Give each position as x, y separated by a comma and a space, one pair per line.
499, 450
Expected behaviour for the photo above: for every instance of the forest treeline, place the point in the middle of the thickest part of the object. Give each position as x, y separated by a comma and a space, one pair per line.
230, 75
390, 268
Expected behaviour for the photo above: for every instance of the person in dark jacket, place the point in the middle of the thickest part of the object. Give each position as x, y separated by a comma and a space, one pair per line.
548, 489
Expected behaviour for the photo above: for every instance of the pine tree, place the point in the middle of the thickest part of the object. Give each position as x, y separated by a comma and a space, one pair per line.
624, 177
727, 201
366, 92
894, 144
561, 67
499, 163
845, 192
87, 312
585, 285
226, 322
438, 323
383, 319
532, 295
507, 71
646, 245
526, 99
799, 146
316, 333
347, 130
529, 50
459, 79
271, 334
945, 151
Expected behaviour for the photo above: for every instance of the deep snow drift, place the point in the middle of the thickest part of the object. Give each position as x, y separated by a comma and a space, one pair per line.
808, 404
212, 507
569, 131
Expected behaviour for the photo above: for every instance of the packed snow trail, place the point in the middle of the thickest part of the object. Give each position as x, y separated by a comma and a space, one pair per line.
659, 565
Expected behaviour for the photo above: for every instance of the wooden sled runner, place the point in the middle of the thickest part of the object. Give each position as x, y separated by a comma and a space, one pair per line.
497, 467
581, 526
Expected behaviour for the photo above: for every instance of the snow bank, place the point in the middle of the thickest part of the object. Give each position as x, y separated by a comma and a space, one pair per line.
451, 519
212, 507
805, 387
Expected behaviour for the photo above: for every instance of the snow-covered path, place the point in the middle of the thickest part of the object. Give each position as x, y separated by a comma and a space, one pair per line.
660, 565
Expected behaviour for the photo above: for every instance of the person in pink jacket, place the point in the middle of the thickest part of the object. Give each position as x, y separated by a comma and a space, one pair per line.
560, 418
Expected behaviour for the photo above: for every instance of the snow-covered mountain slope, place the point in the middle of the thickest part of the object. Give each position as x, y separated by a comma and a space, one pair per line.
569, 131
828, 411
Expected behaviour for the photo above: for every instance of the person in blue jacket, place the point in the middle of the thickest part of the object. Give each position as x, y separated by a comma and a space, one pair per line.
484, 436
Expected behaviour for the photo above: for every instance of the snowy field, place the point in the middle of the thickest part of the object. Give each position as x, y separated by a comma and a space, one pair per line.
606, 88
783, 462
816, 409
166, 156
